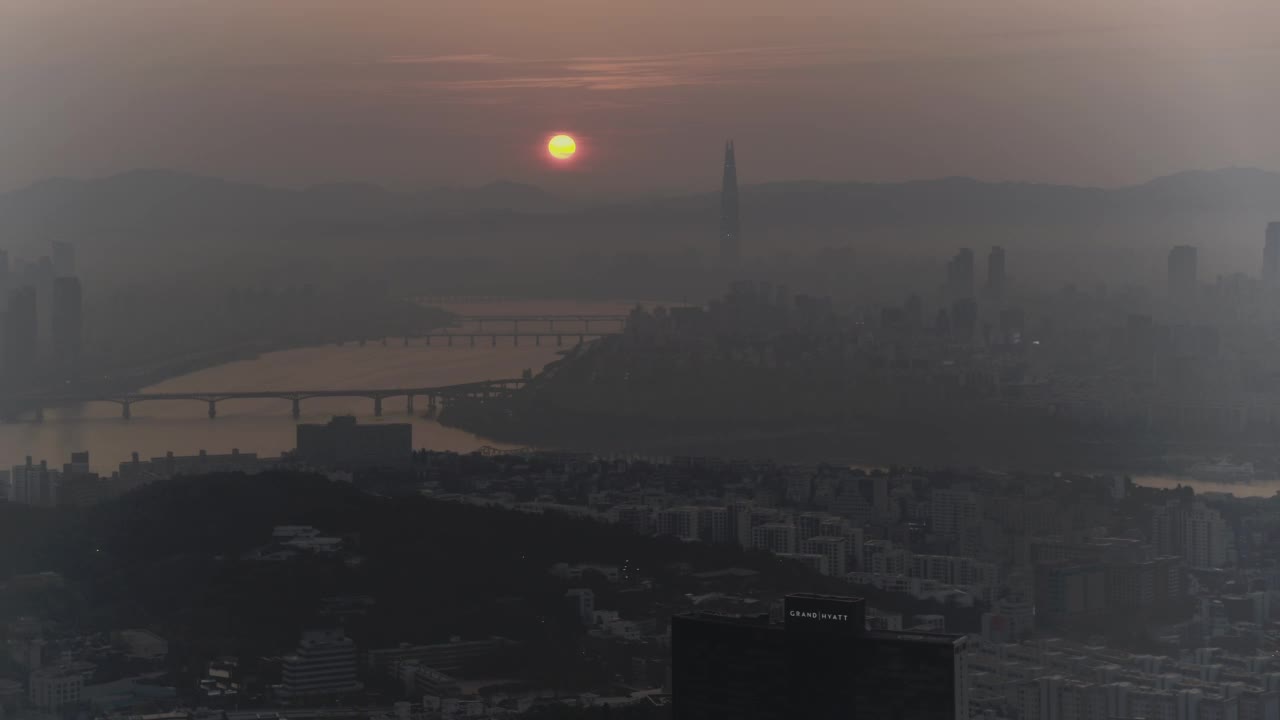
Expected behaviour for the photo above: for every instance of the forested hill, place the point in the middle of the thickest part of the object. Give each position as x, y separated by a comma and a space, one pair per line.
175, 557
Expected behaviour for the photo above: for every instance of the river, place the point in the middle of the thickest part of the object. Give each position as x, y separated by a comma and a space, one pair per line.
266, 427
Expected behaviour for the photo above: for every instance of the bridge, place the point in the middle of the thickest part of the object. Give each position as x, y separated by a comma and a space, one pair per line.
582, 321
470, 330
485, 390
551, 320
448, 338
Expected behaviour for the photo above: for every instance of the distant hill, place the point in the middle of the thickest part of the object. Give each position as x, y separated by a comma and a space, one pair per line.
135, 218
142, 198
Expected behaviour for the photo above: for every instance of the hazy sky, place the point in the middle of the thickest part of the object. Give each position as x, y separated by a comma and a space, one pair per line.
423, 92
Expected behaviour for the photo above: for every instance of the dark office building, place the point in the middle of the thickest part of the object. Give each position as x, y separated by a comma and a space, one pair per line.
1182, 274
821, 663
728, 667
68, 325
342, 443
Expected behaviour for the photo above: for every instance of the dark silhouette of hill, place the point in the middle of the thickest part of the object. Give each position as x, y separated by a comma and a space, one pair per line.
176, 556
166, 199
153, 219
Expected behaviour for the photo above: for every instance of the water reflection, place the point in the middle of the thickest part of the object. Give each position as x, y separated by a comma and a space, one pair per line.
265, 426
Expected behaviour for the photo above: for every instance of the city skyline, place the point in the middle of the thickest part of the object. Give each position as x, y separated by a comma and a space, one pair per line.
639, 360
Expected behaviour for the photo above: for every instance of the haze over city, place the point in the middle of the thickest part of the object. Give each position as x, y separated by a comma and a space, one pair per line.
654, 360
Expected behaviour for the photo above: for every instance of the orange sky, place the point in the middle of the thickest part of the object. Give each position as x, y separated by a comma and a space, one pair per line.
406, 92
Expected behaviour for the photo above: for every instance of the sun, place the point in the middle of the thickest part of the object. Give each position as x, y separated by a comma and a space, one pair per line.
562, 147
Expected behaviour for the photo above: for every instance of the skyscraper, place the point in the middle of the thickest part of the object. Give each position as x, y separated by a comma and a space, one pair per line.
1182, 274
960, 275
40, 276
1271, 258
64, 259
68, 324
20, 332
730, 242
995, 273
822, 663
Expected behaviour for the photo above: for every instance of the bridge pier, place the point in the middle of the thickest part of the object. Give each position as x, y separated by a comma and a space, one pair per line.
377, 407
213, 409
515, 341
409, 404
515, 326
450, 341
559, 341
126, 410
537, 340
494, 339
473, 341
297, 408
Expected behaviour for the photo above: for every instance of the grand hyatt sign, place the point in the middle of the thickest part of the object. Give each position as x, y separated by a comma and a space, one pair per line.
825, 612
815, 615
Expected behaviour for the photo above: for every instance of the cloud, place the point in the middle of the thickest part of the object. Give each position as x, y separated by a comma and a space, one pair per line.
474, 59
472, 73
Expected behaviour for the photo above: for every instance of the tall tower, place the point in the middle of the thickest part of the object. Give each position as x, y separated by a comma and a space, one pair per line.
730, 248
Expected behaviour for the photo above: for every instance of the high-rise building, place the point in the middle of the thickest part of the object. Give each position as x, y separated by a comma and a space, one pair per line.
1067, 591
995, 273
821, 662
31, 484
64, 259
1182, 274
68, 324
40, 276
1205, 537
964, 319
730, 242
954, 511
960, 275
1271, 258
20, 331
324, 664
